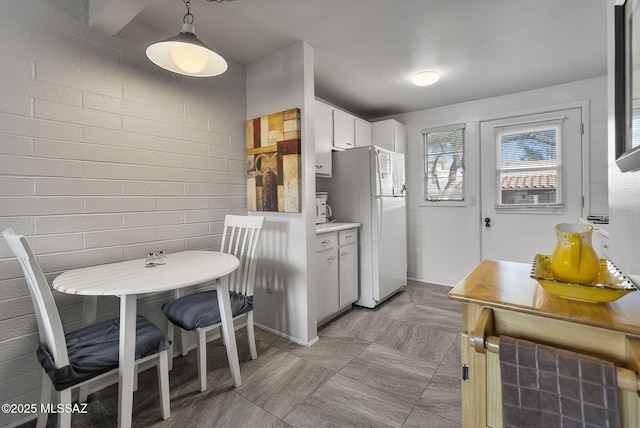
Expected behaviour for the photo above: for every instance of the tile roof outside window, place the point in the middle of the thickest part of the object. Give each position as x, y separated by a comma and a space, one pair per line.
529, 182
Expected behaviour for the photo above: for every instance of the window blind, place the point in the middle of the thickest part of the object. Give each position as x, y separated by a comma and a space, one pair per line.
444, 163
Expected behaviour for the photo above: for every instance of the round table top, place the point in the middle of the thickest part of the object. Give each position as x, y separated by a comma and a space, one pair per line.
132, 277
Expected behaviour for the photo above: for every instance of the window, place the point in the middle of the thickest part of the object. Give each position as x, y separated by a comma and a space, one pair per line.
635, 128
444, 164
529, 167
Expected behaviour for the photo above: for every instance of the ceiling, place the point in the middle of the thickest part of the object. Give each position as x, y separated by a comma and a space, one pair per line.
365, 51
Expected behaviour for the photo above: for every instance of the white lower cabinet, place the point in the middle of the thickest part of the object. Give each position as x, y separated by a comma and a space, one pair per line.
348, 274
336, 272
328, 280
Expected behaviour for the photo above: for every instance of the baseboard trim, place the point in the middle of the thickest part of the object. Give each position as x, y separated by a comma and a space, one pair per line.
286, 336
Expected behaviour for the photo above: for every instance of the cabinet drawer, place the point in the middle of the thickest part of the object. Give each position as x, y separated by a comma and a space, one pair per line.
326, 240
348, 236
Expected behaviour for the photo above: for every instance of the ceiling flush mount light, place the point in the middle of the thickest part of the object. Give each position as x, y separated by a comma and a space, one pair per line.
185, 53
425, 78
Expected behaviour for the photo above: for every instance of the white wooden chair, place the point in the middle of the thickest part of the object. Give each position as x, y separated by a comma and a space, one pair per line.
83, 355
199, 311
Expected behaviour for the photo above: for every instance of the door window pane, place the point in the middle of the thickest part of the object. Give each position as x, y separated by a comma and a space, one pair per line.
529, 166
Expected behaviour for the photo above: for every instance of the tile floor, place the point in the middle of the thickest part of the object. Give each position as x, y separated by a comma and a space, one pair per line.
397, 365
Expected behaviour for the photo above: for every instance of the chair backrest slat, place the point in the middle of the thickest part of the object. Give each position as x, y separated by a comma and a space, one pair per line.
243, 255
240, 237
50, 328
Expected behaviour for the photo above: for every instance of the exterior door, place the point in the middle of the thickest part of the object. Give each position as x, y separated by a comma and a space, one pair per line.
531, 179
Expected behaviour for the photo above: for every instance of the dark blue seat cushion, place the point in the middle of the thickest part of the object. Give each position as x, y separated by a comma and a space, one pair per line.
94, 350
201, 309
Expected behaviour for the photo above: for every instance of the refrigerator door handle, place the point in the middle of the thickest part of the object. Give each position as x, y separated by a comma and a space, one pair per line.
379, 202
377, 191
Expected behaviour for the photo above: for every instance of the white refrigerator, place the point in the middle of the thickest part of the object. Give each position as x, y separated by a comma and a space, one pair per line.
367, 186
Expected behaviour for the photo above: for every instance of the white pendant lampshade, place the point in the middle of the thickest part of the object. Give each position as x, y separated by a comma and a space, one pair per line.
186, 54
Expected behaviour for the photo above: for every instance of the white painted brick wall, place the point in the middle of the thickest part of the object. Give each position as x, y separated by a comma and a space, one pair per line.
157, 218
76, 223
32, 127
118, 171
15, 146
103, 157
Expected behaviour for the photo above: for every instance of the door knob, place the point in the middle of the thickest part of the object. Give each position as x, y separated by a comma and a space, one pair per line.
487, 222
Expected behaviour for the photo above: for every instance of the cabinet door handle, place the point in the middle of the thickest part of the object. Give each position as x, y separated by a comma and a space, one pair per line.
330, 259
325, 242
347, 237
318, 166
344, 254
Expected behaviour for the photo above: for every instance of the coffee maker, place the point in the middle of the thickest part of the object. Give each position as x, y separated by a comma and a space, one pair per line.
323, 210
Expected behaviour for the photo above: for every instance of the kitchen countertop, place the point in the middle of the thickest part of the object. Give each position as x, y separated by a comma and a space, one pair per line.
335, 226
507, 285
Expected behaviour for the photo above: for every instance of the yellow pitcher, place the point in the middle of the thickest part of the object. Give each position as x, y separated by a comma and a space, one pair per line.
574, 259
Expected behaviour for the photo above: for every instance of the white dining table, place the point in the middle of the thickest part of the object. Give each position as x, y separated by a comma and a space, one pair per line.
129, 279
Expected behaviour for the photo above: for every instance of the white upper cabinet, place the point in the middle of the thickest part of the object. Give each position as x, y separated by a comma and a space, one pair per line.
324, 138
363, 133
389, 134
336, 130
344, 130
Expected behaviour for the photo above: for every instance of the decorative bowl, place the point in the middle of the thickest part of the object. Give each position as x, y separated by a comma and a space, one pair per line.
610, 285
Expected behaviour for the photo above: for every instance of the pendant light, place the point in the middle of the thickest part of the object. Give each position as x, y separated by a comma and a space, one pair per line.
185, 53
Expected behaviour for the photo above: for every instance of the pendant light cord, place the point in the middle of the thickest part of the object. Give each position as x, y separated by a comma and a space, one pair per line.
188, 17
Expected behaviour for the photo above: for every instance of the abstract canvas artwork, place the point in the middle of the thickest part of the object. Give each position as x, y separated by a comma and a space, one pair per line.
273, 162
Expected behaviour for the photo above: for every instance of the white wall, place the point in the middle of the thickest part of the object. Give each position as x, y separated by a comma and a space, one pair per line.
444, 242
103, 157
285, 285
624, 191
624, 218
